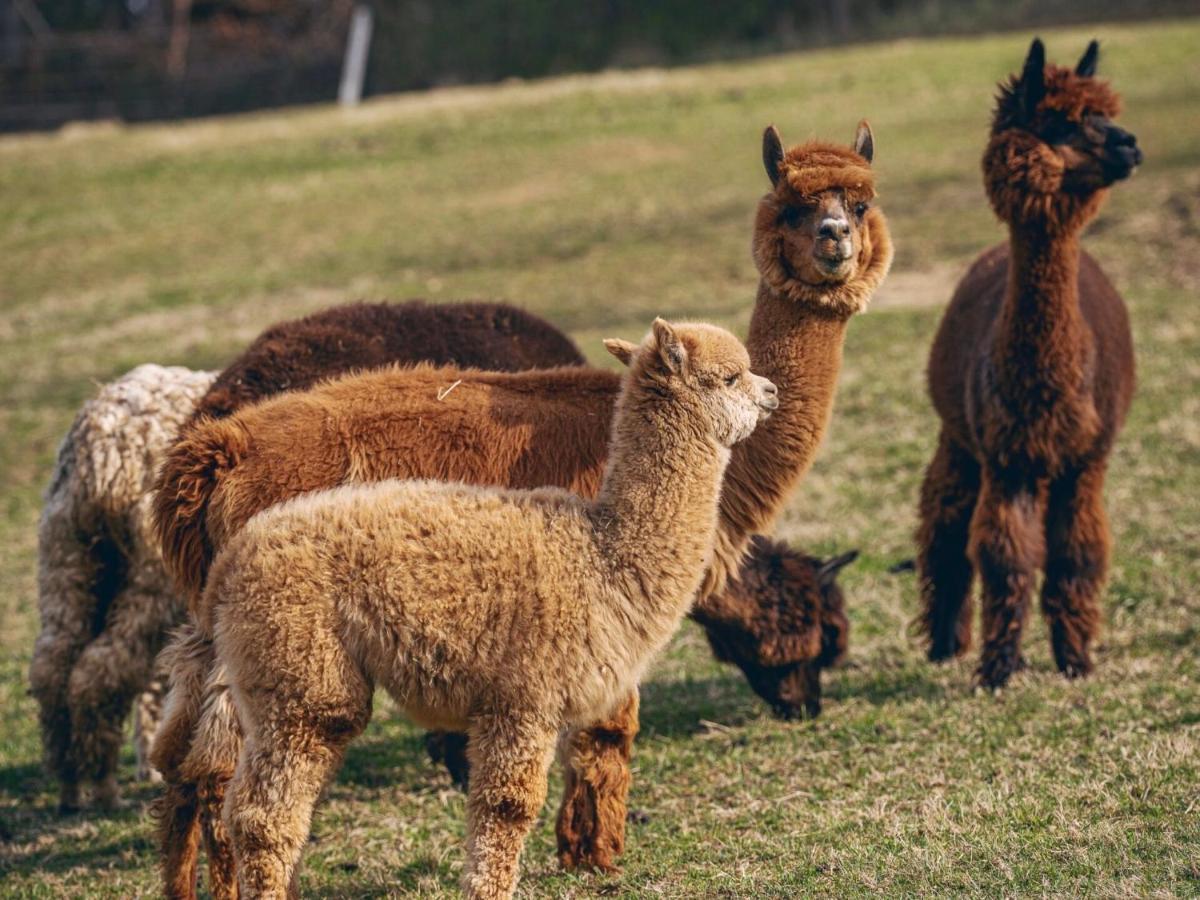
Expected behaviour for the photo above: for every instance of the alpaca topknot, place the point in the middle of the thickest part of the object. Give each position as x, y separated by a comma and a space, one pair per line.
1067, 94
817, 166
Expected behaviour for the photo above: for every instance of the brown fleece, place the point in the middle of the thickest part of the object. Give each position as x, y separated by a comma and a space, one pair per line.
489, 429
512, 614
1032, 373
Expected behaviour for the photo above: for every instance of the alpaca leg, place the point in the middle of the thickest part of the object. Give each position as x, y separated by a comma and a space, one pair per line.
68, 576
1077, 551
187, 659
948, 497
591, 818
449, 748
1006, 545
147, 713
510, 760
110, 673
216, 746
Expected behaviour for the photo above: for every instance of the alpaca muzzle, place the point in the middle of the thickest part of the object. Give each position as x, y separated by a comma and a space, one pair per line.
1121, 153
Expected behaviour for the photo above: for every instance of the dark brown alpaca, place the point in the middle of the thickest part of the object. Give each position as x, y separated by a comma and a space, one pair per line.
1032, 373
294, 355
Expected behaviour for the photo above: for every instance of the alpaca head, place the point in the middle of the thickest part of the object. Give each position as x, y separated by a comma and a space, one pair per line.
818, 238
1054, 149
703, 368
782, 621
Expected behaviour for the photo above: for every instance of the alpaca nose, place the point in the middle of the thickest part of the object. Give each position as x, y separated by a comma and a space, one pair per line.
770, 398
834, 229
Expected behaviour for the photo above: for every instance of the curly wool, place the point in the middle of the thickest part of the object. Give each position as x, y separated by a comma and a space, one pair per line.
105, 600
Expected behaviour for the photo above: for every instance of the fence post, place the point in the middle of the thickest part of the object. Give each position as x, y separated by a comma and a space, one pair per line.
354, 66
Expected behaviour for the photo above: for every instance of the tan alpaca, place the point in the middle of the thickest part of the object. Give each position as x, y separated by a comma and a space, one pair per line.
508, 614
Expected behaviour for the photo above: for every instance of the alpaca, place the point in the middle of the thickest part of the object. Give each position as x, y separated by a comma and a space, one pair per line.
103, 596
106, 602
807, 622
822, 249
774, 569
1032, 374
509, 614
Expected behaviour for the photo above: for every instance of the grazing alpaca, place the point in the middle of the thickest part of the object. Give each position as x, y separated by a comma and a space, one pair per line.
510, 614
105, 600
814, 629
822, 250
1032, 375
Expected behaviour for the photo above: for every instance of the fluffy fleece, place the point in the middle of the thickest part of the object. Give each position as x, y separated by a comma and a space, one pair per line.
549, 428
1032, 373
508, 614
105, 600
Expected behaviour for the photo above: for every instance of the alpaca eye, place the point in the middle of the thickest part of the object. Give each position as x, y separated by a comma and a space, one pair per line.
790, 216
731, 380
860, 209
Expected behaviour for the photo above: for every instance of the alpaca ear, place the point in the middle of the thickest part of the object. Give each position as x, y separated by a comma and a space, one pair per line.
1087, 62
622, 350
864, 141
772, 153
1032, 86
670, 348
828, 570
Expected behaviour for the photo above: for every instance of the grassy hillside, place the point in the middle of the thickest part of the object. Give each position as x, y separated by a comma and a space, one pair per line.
601, 202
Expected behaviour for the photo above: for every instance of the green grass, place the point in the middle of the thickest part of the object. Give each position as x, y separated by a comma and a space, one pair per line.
601, 202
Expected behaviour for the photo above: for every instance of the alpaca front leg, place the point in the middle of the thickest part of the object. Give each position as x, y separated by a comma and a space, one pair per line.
509, 761
1006, 546
591, 818
948, 497
1077, 552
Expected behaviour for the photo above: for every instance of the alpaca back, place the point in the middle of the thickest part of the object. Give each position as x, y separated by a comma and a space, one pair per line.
520, 430
107, 461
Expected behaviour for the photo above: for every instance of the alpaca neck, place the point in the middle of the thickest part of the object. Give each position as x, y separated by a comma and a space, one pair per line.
799, 347
656, 512
1040, 333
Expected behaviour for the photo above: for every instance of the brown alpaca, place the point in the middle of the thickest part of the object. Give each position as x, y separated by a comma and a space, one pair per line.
822, 250
505, 613
1032, 373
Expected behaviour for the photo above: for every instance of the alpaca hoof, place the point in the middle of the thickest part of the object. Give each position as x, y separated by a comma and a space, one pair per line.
993, 674
600, 864
637, 817
945, 651
68, 800
1076, 668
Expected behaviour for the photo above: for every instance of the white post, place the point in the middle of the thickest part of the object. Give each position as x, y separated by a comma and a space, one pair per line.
354, 66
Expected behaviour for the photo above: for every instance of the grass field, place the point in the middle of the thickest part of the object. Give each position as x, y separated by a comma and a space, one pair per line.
600, 202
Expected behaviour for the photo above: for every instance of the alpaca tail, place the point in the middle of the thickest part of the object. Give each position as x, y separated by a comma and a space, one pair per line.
190, 475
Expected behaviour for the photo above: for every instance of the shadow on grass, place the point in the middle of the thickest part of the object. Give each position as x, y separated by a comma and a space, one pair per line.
71, 847
676, 708
384, 758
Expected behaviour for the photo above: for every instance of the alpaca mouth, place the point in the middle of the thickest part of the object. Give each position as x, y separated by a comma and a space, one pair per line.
1122, 162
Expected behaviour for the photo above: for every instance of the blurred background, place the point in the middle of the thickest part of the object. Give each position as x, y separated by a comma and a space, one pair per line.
153, 59
482, 155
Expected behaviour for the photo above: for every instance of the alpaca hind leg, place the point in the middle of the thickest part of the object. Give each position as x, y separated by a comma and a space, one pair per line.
591, 817
1077, 552
109, 675
1006, 545
510, 759
71, 577
948, 497
216, 746
188, 660
147, 713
